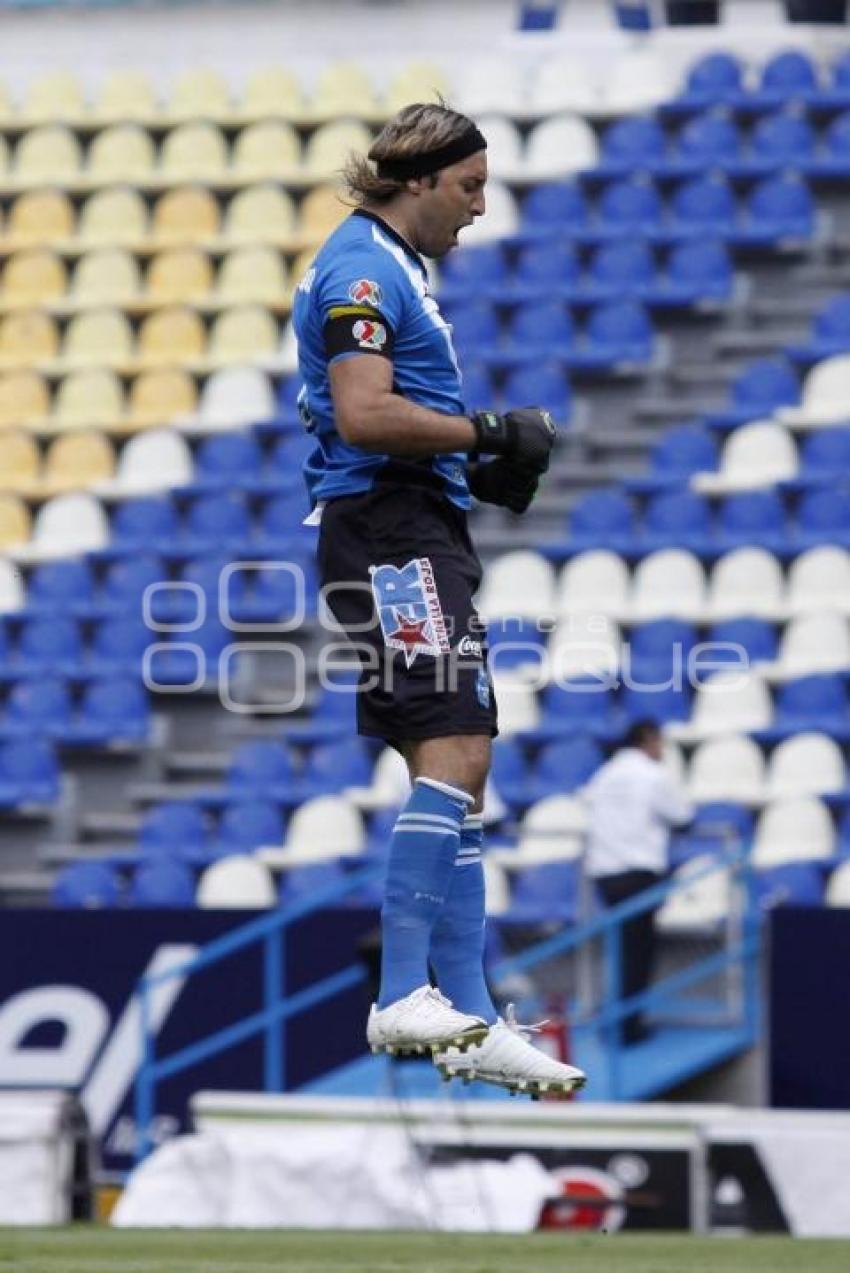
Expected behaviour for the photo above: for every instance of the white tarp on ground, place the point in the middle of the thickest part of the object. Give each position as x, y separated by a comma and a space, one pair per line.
35, 1158
328, 1177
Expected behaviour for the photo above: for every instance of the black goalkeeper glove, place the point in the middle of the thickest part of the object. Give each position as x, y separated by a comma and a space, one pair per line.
502, 482
526, 435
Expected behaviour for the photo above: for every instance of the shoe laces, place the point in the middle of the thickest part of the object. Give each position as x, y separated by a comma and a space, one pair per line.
439, 997
522, 1030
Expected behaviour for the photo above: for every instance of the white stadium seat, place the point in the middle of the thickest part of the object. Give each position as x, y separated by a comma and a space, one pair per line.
727, 769
809, 764
238, 882
596, 581
812, 643
552, 830
233, 397
65, 526
558, 147
518, 706
501, 220
505, 161
584, 645
491, 86
746, 582
668, 584
755, 455
838, 886
728, 703
819, 580
390, 785
564, 84
321, 829
826, 393
699, 906
155, 460
794, 830
12, 594
497, 891
639, 80
517, 585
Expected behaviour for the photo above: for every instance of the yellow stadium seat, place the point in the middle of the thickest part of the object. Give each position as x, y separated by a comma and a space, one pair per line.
56, 97
260, 214
76, 460
179, 275
173, 335
107, 276
15, 522
416, 82
193, 152
114, 217
329, 147
32, 277
244, 334
344, 88
4, 156
50, 155
321, 212
272, 92
124, 152
24, 398
20, 460
98, 338
41, 216
188, 214
126, 96
267, 151
87, 398
252, 275
160, 397
27, 337
199, 93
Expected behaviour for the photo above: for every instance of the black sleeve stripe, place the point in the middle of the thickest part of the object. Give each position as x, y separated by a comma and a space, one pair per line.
357, 329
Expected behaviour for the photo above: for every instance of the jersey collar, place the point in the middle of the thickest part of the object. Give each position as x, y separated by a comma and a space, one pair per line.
393, 234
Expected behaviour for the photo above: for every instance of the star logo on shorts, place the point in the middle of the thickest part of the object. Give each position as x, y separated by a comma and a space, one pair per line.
410, 636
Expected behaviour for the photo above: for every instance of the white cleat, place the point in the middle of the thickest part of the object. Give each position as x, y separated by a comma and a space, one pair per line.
507, 1059
423, 1021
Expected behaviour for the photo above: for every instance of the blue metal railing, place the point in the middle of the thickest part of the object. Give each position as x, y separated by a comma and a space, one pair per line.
278, 1007
608, 925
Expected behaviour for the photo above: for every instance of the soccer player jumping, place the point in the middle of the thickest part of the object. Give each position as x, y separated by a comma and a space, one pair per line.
397, 461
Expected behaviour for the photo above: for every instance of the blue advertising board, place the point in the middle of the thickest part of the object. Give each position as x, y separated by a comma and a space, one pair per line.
70, 1018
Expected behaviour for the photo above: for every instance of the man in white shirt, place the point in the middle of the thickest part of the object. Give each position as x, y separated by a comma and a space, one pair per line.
633, 801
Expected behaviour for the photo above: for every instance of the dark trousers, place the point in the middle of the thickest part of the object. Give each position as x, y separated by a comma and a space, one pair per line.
638, 940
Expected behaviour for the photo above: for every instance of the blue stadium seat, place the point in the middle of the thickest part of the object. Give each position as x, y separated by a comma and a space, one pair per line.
584, 705
556, 208
118, 647
678, 519
787, 76
756, 393
791, 884
783, 140
172, 664
778, 208
475, 329
825, 455
478, 388
718, 827
695, 273
514, 642
703, 206
261, 770
830, 333
832, 160
333, 713
713, 79
823, 517
509, 770
678, 454
332, 766
707, 141
625, 267
544, 894
113, 711
754, 518
544, 270
472, 272
810, 702
843, 834
162, 885
287, 401
628, 207
659, 702
177, 831
126, 581
543, 330
757, 636
246, 825
87, 886
563, 766
545, 384
149, 523
178, 605
51, 646
271, 594
216, 523
306, 881
618, 335
61, 587
659, 650
631, 144
602, 519
226, 460
37, 708
29, 773
280, 524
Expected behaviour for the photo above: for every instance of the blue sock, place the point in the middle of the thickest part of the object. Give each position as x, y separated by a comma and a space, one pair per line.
457, 942
424, 846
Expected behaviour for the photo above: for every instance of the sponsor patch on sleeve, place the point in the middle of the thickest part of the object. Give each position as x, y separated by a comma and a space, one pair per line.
357, 329
364, 291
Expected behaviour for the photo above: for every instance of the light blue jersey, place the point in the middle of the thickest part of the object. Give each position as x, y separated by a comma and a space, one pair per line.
367, 293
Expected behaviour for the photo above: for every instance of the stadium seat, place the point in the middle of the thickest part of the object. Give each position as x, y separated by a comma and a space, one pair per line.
162, 885
552, 207
579, 706
33, 277
564, 84
551, 389
199, 93
518, 707
830, 333
48, 646
234, 397
113, 711
76, 461
703, 206
628, 207
115, 217
64, 526
177, 830
227, 459
261, 770
824, 455
124, 152
603, 520
727, 769
185, 215
20, 461
752, 518
698, 905
126, 95
726, 703
252, 276
813, 643
790, 884
37, 708
819, 579
173, 334
155, 460
107, 276
505, 157
709, 141
481, 270
271, 92
622, 268
193, 152
756, 638
29, 773
24, 399
838, 886
669, 583
343, 89
491, 85
236, 882
782, 140
712, 79
502, 217
269, 150
145, 524
416, 82
245, 825
678, 519
758, 454
638, 142
40, 217
126, 580
97, 338
638, 80
762, 388
259, 214
696, 273
15, 522
558, 146
54, 96
543, 328
551, 830
786, 77
824, 399
164, 395
87, 886
12, 593
321, 829
583, 645
542, 270
243, 334
746, 581
659, 650
328, 148
817, 702
564, 766
178, 275
543, 894
596, 581
617, 335
27, 338
49, 155
517, 584
795, 829
809, 764
778, 208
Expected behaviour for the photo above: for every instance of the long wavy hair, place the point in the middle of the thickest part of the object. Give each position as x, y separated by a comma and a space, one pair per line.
415, 130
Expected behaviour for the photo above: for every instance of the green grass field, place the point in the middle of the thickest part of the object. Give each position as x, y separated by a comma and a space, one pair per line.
91, 1250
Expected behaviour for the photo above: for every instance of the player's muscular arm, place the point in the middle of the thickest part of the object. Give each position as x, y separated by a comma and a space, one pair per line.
369, 415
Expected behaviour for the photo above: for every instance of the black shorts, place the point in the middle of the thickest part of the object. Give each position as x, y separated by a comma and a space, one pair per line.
399, 572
